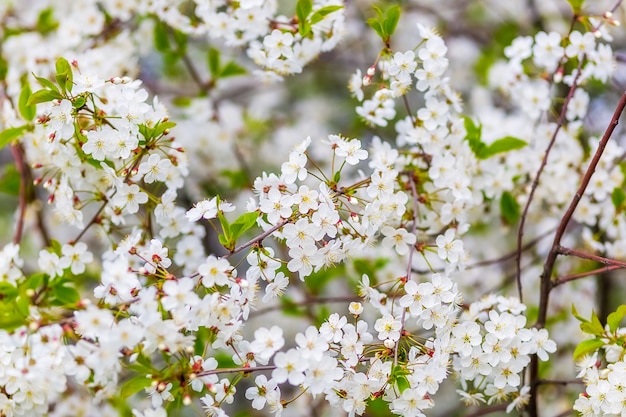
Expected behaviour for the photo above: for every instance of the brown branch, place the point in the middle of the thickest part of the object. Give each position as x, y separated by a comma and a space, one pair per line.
18, 156
574, 277
256, 239
232, 370
560, 381
535, 184
510, 255
584, 255
409, 264
308, 301
546, 284
488, 410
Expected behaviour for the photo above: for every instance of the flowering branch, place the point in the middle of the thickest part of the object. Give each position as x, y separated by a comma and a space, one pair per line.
535, 183
546, 276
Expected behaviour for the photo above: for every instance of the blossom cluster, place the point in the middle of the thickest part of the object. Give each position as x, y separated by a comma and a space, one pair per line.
492, 349
158, 247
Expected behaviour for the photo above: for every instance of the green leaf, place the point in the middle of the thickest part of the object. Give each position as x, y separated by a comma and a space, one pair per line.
63, 295
226, 237
586, 347
243, 223
392, 16
161, 39
509, 208
27, 111
618, 196
134, 385
303, 10
473, 135
505, 144
213, 59
64, 75
578, 316
232, 69
615, 318
47, 83
320, 14
79, 102
577, 5
7, 292
4, 66
375, 24
8, 135
46, 22
593, 327
161, 127
43, 96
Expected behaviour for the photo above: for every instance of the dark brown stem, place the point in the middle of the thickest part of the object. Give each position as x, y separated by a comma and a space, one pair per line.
560, 250
574, 277
307, 302
535, 184
93, 221
18, 156
257, 239
546, 283
232, 370
488, 410
410, 264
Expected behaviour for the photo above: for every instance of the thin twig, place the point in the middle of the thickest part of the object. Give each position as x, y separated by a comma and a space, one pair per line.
18, 156
579, 254
257, 239
232, 370
574, 277
546, 284
535, 184
409, 266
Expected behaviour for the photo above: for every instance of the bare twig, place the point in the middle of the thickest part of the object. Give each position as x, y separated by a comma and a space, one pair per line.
579, 254
409, 266
574, 277
18, 156
535, 184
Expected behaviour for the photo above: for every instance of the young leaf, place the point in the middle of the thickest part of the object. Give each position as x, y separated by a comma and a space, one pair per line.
134, 385
616, 317
618, 196
578, 316
577, 5
242, 224
47, 83
64, 75
593, 327
587, 346
303, 10
27, 111
473, 135
161, 39
10, 180
509, 207
43, 96
213, 60
505, 144
46, 22
7, 135
392, 16
320, 14
225, 238
378, 28
232, 69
